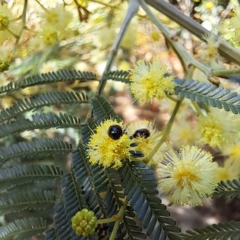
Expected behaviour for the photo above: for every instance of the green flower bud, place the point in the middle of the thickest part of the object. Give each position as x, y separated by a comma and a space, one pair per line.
84, 222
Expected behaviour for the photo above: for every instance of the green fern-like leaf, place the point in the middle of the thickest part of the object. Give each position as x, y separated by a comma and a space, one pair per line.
228, 189
209, 94
120, 76
114, 200
140, 188
103, 110
103, 191
24, 173
87, 177
51, 77
23, 229
39, 121
41, 100
61, 229
34, 148
221, 231
27, 200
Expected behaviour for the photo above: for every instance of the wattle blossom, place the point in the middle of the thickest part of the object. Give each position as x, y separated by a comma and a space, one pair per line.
149, 81
109, 145
188, 176
147, 136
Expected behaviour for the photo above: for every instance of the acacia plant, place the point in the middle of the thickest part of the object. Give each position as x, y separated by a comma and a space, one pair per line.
110, 187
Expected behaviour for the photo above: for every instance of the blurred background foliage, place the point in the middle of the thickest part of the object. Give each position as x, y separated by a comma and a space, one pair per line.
41, 36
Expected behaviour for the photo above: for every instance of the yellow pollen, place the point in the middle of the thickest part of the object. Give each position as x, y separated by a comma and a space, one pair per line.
223, 174
4, 22
235, 151
186, 135
185, 174
212, 135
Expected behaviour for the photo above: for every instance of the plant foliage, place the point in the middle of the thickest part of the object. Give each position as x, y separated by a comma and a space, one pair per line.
228, 189
46, 78
39, 121
45, 99
227, 230
23, 228
209, 94
45, 181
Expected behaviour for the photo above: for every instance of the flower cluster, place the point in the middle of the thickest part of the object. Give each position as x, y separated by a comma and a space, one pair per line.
149, 81
231, 166
209, 52
109, 145
216, 130
7, 27
147, 137
112, 142
183, 133
229, 171
188, 176
84, 222
231, 29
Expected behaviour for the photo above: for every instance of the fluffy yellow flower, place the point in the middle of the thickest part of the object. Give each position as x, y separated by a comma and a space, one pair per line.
209, 52
50, 35
229, 171
36, 44
7, 27
147, 137
231, 29
148, 81
216, 128
49, 66
5, 57
189, 176
183, 133
232, 164
233, 151
57, 17
109, 145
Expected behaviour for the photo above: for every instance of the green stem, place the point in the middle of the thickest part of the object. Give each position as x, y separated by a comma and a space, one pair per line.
190, 71
197, 108
117, 223
131, 12
225, 72
172, 98
24, 14
15, 19
107, 220
105, 4
165, 133
41, 6
170, 148
15, 35
182, 53
192, 26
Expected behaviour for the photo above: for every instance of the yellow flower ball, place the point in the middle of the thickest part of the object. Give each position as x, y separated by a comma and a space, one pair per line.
149, 81
145, 134
188, 176
84, 222
216, 130
109, 145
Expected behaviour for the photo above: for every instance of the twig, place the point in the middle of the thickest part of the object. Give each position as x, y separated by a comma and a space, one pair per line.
131, 12
182, 53
105, 4
24, 14
225, 72
174, 14
165, 133
41, 6
119, 218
